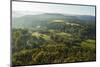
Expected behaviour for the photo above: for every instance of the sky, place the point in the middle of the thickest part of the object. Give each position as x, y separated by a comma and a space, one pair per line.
36, 8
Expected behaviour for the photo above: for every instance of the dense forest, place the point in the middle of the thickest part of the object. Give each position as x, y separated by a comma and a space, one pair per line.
53, 38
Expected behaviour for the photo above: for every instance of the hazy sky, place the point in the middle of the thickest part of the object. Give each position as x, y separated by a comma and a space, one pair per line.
53, 8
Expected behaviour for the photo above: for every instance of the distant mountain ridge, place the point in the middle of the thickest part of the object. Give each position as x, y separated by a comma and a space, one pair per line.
28, 21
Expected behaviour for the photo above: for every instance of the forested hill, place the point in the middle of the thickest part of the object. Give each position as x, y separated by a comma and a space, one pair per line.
53, 38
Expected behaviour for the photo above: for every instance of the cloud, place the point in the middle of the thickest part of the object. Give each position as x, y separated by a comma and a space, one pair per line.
53, 8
